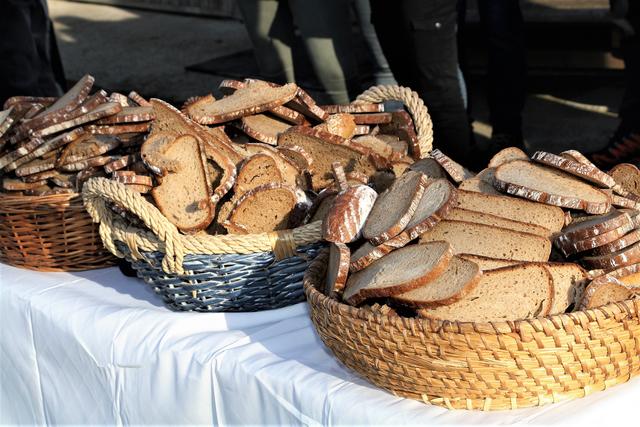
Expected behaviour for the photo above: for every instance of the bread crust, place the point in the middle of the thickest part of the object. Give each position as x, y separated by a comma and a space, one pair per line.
129, 115
337, 273
354, 108
506, 155
624, 257
619, 244
456, 171
347, 215
582, 170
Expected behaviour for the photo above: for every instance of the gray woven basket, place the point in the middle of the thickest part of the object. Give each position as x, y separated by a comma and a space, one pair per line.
229, 282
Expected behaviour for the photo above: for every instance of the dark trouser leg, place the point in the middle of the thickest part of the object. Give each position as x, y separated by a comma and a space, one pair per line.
270, 27
503, 24
26, 67
382, 72
630, 107
325, 28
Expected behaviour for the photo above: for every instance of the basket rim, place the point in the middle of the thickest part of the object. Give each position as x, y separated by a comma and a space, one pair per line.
617, 310
51, 198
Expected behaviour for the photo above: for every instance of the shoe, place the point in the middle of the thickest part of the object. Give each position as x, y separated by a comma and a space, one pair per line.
622, 148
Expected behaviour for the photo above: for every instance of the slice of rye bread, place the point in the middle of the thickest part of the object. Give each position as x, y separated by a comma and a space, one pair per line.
49, 146
549, 217
623, 242
592, 226
627, 176
362, 130
257, 170
153, 155
577, 157
144, 180
604, 290
505, 294
11, 184
20, 151
291, 175
337, 270
491, 241
87, 146
342, 125
87, 163
430, 168
6, 121
457, 281
64, 180
381, 180
581, 170
569, 282
122, 162
572, 247
400, 271
298, 156
628, 275
623, 202
321, 206
348, 213
374, 144
266, 208
43, 175
254, 98
372, 118
394, 208
614, 260
129, 115
103, 110
183, 196
506, 155
397, 145
456, 171
360, 107
138, 99
478, 185
436, 203
488, 263
460, 214
402, 126
118, 129
366, 254
325, 149
21, 99
71, 99
263, 128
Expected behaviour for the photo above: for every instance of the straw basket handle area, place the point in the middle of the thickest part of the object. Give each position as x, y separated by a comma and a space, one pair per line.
415, 106
163, 236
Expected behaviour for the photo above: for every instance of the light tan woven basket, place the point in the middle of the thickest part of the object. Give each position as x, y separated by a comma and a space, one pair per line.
486, 366
50, 233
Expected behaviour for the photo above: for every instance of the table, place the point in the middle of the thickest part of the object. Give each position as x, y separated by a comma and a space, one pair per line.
97, 347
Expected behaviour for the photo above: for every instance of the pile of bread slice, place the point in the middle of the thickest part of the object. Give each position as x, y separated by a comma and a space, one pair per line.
525, 237
53, 145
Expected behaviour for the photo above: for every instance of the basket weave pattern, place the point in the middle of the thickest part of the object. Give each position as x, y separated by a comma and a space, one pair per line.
50, 233
487, 366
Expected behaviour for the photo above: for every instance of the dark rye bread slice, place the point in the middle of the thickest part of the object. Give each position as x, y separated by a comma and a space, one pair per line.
400, 271
394, 208
254, 98
366, 254
183, 196
550, 186
342, 125
549, 217
456, 171
460, 214
604, 290
291, 175
623, 242
71, 99
152, 153
44, 149
429, 167
348, 213
581, 170
372, 118
337, 270
129, 115
266, 208
298, 156
490, 241
257, 170
506, 155
103, 110
118, 129
575, 246
263, 128
361, 107
325, 149
506, 294
87, 146
460, 278
614, 260
627, 177
488, 263
402, 126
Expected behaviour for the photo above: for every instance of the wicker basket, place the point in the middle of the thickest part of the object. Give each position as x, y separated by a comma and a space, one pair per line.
50, 233
487, 366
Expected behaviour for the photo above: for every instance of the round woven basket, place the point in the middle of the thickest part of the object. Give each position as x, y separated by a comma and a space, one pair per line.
486, 366
50, 233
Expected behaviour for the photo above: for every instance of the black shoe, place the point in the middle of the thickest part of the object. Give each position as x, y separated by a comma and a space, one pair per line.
623, 147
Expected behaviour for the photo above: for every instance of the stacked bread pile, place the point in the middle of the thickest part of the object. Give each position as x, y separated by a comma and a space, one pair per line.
53, 145
483, 251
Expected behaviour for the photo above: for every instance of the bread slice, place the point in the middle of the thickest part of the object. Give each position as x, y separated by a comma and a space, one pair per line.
375, 145
507, 155
322, 205
506, 294
604, 290
325, 149
372, 118
397, 145
569, 282
360, 107
291, 175
478, 185
263, 128
628, 275
298, 156
129, 115
138, 99
575, 246
254, 98
257, 170
52, 145
627, 176
456, 171
395, 207
118, 129
430, 168
153, 155
306, 105
577, 157
183, 195
612, 261
623, 242
553, 187
495, 242
103, 110
71, 99
348, 213
460, 277
86, 147
402, 126
400, 271
337, 270
460, 214
549, 217
6, 121
581, 170
366, 254
341, 124
487, 263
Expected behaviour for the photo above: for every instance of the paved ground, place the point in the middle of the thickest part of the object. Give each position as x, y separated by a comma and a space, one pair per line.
131, 49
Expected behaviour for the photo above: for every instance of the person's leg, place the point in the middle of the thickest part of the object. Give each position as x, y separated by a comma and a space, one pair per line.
325, 27
270, 27
503, 25
382, 72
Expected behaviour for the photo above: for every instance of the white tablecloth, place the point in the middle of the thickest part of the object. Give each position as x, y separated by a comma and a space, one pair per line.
97, 347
